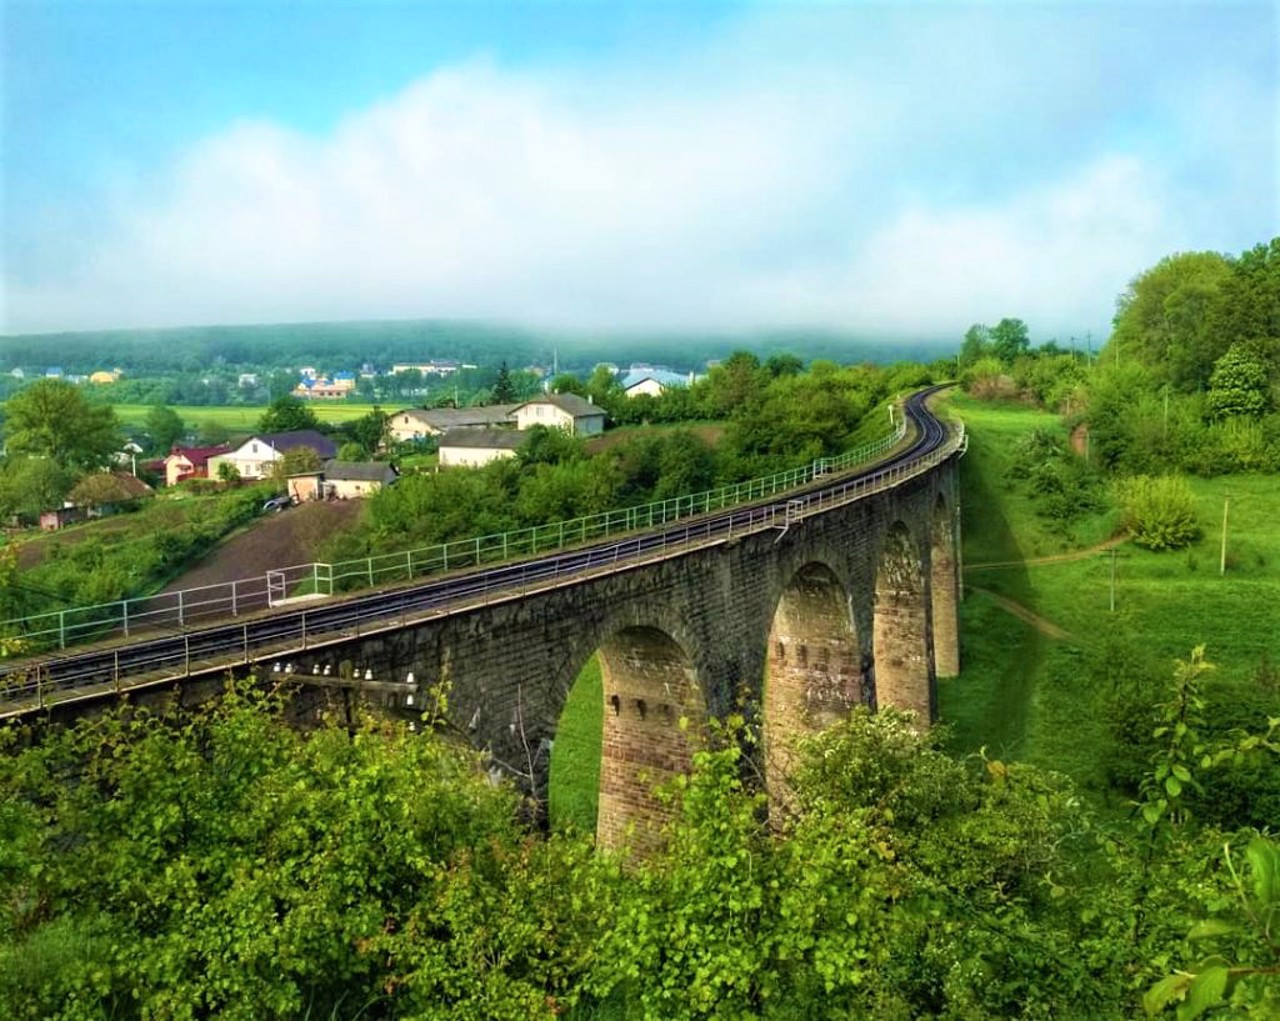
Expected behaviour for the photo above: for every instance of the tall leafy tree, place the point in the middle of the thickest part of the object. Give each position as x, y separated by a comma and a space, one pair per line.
976, 346
1161, 320
52, 419
1009, 339
287, 414
29, 485
165, 427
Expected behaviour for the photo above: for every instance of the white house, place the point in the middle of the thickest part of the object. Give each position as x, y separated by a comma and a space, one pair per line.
650, 381
561, 411
476, 447
418, 423
254, 458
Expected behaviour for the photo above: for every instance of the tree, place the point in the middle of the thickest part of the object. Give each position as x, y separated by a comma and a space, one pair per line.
734, 384
29, 485
1009, 339
212, 433
1239, 384
370, 430
783, 364
52, 419
603, 385
298, 461
287, 414
568, 383
504, 391
1161, 320
976, 346
165, 427
228, 472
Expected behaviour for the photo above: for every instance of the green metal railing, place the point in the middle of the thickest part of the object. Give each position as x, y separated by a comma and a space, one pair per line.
60, 628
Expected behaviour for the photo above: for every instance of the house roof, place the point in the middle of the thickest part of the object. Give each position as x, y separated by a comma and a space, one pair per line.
132, 485
485, 439
318, 442
445, 419
360, 471
578, 407
663, 377
198, 456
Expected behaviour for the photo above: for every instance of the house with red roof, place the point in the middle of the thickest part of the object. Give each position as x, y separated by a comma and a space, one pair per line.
189, 463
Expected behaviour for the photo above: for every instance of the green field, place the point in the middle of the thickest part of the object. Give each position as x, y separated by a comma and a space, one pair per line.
575, 756
1021, 693
239, 417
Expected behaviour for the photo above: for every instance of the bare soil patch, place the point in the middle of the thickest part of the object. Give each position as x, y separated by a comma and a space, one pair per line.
1045, 627
273, 541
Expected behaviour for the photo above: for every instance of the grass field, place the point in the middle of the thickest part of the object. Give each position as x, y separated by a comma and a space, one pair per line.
575, 756
239, 417
1021, 692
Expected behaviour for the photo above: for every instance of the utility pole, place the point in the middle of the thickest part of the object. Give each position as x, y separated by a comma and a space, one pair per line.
1112, 553
1226, 504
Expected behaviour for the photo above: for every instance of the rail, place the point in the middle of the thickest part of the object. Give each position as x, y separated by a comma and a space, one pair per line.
303, 629
58, 629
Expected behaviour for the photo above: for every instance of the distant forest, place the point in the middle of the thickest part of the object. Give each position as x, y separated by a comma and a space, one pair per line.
350, 344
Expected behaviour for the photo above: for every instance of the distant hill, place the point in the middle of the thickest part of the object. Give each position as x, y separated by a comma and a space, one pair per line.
193, 348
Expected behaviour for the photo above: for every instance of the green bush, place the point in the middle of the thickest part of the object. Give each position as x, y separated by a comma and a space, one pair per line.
1160, 512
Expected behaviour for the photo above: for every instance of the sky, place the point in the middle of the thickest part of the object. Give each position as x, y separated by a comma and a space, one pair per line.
894, 170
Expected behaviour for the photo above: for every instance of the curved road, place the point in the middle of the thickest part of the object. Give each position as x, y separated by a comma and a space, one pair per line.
29, 685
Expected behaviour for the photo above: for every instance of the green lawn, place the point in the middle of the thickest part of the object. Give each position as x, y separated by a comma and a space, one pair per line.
575, 757
1023, 694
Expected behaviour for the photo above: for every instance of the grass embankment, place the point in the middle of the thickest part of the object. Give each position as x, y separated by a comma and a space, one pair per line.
126, 555
1026, 695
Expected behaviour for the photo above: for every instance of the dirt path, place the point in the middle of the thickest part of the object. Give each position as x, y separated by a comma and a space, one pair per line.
1058, 558
1045, 627
274, 540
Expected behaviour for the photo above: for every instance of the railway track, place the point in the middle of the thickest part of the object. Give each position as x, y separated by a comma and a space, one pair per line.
37, 683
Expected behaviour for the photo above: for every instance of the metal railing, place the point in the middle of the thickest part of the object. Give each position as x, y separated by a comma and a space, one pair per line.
311, 631
157, 613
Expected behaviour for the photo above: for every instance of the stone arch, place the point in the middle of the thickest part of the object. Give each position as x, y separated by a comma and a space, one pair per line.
813, 674
944, 583
900, 639
649, 687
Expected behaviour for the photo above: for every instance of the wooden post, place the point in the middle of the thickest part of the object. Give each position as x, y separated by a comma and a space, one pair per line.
1226, 504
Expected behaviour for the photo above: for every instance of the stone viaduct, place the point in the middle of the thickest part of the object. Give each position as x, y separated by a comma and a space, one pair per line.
853, 606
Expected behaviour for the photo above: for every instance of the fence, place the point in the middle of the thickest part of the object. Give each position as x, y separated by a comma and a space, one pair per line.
167, 611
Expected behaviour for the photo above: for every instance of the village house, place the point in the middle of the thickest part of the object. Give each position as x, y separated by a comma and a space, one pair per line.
418, 423
474, 448
254, 458
189, 463
561, 411
341, 480
334, 387
650, 381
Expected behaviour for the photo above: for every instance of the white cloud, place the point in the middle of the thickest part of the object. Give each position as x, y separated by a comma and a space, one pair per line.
743, 187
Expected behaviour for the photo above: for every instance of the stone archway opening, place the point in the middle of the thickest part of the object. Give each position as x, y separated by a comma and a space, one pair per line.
813, 674
945, 588
654, 720
903, 672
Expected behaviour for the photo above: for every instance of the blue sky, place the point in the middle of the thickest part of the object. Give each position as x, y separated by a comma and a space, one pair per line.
893, 169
